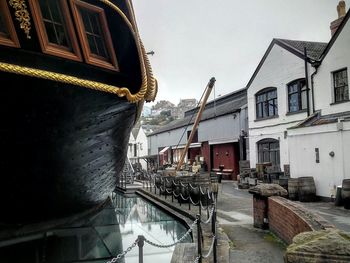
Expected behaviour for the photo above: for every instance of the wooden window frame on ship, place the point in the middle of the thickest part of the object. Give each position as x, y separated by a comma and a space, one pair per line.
52, 48
12, 41
88, 55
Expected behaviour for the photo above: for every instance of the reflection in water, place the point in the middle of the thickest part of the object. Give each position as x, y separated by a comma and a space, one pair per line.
103, 236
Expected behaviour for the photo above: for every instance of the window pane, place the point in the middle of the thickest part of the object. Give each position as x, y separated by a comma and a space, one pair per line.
86, 20
95, 24
346, 93
94, 33
268, 102
293, 102
55, 13
61, 36
54, 23
269, 152
272, 94
3, 27
293, 88
303, 100
92, 44
341, 88
50, 31
271, 108
44, 7
101, 47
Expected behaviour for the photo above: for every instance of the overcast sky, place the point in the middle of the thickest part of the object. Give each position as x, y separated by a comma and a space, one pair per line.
195, 40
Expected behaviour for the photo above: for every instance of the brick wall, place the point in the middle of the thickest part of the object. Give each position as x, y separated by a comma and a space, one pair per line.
287, 219
260, 211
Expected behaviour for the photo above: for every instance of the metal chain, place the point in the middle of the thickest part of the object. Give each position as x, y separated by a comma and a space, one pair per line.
119, 256
179, 241
210, 216
197, 259
211, 248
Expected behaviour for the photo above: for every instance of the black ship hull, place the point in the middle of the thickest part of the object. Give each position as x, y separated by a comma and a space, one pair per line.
62, 147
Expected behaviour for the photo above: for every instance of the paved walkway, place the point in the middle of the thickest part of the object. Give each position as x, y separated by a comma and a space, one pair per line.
247, 244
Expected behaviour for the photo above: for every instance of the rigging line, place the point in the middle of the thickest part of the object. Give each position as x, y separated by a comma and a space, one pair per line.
185, 129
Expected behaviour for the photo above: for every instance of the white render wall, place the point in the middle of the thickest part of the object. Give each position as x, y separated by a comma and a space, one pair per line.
142, 147
280, 68
331, 171
337, 58
168, 138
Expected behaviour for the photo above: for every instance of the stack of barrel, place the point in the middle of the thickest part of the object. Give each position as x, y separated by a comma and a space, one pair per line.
302, 189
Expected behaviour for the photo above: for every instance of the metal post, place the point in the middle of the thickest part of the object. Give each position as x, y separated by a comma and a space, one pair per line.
154, 184
189, 197
199, 238
140, 243
172, 191
213, 227
200, 205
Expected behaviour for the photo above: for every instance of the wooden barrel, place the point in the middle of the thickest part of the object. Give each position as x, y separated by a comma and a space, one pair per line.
293, 188
307, 189
283, 181
345, 193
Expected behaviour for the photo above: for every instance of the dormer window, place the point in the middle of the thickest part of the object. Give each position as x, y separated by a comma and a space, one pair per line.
297, 95
341, 85
94, 35
55, 28
266, 103
8, 35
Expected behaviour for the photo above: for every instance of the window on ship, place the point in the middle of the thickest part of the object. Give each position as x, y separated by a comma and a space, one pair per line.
94, 35
55, 28
8, 35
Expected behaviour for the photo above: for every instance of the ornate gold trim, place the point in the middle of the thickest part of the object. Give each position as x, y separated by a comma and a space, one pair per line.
22, 15
58, 77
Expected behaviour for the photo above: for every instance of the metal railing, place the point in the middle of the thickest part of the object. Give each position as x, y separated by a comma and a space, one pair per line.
210, 198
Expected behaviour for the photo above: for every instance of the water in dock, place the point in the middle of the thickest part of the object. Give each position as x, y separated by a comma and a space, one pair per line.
102, 236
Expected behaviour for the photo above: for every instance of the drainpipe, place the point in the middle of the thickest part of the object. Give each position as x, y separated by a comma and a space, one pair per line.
316, 64
307, 83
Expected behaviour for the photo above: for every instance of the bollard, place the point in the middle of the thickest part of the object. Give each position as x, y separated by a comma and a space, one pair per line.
199, 238
140, 243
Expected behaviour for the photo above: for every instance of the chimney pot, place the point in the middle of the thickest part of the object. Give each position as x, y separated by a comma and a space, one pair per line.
341, 8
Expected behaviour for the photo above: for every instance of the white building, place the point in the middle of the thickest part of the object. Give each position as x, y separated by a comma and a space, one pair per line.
278, 98
138, 146
324, 139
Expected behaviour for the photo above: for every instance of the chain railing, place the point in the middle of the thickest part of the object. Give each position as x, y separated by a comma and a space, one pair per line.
182, 192
197, 223
121, 255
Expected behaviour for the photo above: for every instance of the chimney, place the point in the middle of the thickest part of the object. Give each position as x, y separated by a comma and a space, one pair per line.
341, 13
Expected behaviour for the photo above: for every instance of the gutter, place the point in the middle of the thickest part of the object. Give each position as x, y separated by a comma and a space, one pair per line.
307, 83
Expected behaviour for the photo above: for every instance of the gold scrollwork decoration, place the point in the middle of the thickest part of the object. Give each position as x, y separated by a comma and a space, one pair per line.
22, 15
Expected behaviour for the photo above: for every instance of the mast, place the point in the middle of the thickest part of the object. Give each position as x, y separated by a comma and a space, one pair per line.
196, 122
